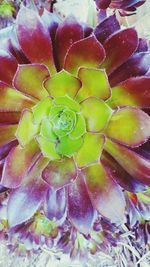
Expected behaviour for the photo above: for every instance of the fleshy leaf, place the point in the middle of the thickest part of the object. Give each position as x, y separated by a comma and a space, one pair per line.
61, 84
47, 131
133, 163
17, 164
68, 32
103, 4
48, 148
34, 38
119, 47
42, 109
60, 173
12, 100
29, 80
105, 194
15, 49
143, 45
4, 149
80, 127
137, 65
51, 21
124, 179
8, 67
55, 205
9, 117
106, 28
96, 113
35, 172
132, 92
129, 126
80, 209
26, 129
144, 150
91, 150
7, 133
67, 147
25, 200
67, 102
94, 83
87, 53
131, 5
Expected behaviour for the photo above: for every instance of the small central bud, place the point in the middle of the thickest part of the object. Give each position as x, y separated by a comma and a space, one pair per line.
65, 121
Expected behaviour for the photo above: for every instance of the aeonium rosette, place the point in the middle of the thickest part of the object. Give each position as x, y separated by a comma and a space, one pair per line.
70, 143
125, 7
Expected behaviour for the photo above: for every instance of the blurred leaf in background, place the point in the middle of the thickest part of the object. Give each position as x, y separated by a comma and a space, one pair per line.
6, 9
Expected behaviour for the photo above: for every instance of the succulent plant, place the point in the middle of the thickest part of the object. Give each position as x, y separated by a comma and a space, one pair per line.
125, 7
74, 121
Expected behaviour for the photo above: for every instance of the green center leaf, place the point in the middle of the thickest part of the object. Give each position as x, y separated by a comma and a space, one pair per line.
68, 147
64, 122
67, 102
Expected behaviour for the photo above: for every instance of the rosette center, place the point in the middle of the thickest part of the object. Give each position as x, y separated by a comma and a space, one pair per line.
64, 122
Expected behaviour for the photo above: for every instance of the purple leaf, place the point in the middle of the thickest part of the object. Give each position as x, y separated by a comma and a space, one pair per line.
55, 204
80, 209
